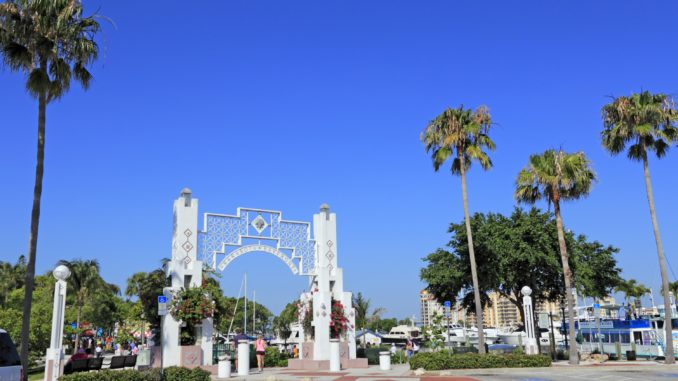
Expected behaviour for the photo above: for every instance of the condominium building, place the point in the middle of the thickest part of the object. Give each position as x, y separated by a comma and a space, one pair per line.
429, 306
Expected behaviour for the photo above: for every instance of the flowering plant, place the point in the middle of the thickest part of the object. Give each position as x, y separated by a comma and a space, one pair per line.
338, 320
305, 316
191, 306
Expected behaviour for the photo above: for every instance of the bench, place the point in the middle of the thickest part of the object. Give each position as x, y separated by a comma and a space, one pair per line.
95, 363
74, 366
117, 362
130, 361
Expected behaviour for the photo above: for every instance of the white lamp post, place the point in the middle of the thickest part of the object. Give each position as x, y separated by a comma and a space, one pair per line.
55, 354
531, 343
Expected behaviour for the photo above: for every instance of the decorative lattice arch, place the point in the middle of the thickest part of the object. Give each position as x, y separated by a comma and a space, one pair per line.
256, 230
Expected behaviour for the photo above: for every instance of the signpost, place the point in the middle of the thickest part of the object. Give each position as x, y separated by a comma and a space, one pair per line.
162, 305
448, 312
596, 314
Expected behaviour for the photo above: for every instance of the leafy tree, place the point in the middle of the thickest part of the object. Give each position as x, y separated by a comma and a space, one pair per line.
434, 334
644, 122
282, 323
462, 134
514, 251
12, 276
84, 283
557, 176
673, 288
384, 325
52, 43
41, 314
147, 287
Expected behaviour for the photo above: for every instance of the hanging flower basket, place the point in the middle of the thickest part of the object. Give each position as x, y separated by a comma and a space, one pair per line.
338, 321
191, 306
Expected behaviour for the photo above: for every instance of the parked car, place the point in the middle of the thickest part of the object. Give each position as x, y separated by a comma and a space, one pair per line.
10, 363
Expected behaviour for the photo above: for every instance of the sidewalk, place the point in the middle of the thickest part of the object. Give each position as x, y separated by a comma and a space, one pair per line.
399, 372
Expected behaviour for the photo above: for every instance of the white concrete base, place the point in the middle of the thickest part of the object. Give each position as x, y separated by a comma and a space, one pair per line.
385, 360
335, 356
243, 358
224, 370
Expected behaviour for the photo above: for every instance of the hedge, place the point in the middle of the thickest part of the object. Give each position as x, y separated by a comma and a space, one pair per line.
445, 360
115, 375
173, 373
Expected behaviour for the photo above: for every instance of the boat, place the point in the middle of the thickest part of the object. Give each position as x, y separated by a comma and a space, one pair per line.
401, 333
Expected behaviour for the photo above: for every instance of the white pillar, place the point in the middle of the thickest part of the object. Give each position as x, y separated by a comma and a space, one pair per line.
206, 341
325, 233
531, 347
243, 358
55, 354
184, 269
335, 355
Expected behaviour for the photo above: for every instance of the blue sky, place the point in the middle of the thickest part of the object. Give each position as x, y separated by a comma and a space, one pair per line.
287, 105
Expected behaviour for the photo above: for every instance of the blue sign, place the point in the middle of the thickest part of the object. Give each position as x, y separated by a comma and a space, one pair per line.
74, 325
447, 304
596, 305
100, 331
162, 299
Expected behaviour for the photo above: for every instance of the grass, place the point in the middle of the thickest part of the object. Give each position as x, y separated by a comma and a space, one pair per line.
36, 376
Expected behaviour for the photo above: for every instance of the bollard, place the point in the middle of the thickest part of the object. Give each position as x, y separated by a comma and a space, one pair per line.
243, 358
385, 360
335, 356
224, 370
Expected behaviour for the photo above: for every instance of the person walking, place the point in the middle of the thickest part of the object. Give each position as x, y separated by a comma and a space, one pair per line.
260, 346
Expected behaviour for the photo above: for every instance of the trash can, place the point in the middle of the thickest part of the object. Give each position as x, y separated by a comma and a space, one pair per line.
224, 370
385, 360
630, 355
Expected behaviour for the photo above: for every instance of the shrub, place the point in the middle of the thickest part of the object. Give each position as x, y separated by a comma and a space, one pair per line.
446, 360
274, 358
116, 375
175, 373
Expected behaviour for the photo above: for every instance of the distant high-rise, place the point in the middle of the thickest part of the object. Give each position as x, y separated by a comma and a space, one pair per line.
429, 306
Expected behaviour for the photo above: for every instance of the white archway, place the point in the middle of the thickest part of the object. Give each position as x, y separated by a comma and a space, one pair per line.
262, 248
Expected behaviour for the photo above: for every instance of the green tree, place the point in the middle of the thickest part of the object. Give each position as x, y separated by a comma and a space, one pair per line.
12, 276
557, 176
462, 135
362, 307
631, 289
146, 287
52, 43
83, 283
505, 247
645, 123
282, 323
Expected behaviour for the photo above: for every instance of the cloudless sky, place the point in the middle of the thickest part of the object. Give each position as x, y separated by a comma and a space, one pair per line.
286, 105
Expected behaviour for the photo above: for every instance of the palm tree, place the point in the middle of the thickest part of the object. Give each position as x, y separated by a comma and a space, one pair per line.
362, 307
645, 122
462, 134
673, 289
628, 288
84, 281
557, 176
52, 43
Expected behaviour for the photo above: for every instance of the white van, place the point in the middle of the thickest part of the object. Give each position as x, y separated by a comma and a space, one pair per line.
10, 363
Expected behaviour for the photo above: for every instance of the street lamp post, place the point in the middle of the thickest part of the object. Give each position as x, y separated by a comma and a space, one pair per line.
55, 353
562, 324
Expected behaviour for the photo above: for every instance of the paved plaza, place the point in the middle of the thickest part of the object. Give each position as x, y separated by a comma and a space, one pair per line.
559, 372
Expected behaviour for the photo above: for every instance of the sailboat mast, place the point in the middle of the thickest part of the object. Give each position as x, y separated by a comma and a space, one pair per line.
244, 321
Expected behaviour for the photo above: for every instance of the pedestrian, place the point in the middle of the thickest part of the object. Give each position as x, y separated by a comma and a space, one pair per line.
393, 349
98, 351
260, 346
295, 351
409, 349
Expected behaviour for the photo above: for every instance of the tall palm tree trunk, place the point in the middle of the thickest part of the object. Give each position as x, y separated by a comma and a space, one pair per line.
33, 235
472, 256
76, 345
567, 274
668, 314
